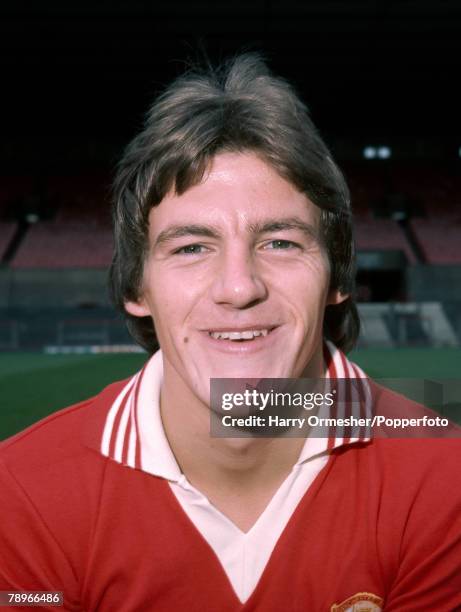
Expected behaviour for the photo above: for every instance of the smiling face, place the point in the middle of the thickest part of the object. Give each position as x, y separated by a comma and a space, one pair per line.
236, 278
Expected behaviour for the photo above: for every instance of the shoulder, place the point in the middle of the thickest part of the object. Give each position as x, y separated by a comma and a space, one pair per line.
414, 490
410, 489
52, 475
404, 464
51, 478
407, 465
397, 416
64, 437
416, 463
413, 435
410, 448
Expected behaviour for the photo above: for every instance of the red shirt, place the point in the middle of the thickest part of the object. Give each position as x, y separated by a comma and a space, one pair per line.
382, 518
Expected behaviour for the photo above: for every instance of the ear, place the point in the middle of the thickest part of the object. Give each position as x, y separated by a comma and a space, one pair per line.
137, 309
335, 297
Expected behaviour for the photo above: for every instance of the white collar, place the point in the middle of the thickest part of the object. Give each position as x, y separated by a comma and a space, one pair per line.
134, 435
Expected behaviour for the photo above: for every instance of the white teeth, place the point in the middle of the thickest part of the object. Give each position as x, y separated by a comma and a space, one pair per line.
245, 335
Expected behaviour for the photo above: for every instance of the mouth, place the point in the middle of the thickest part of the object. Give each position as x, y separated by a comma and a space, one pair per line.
240, 335
242, 339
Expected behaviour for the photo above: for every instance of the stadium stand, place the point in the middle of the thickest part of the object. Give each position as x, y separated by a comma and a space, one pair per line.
437, 190
7, 230
411, 324
440, 239
65, 245
383, 235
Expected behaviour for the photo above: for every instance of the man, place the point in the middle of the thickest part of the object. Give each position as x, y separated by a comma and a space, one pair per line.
234, 253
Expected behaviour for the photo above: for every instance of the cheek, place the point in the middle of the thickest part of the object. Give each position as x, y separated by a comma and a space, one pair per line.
170, 297
307, 301
307, 285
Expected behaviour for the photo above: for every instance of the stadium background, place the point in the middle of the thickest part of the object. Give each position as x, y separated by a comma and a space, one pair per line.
381, 79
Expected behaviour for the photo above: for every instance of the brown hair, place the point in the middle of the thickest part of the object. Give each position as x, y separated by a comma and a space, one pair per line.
239, 106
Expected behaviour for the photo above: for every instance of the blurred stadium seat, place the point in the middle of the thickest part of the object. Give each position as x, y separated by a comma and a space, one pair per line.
57, 244
7, 231
381, 234
440, 239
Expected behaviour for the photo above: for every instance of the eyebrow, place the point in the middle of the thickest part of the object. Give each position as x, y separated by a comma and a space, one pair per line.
258, 227
178, 231
287, 223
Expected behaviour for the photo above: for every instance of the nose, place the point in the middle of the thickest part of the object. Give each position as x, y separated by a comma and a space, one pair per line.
237, 282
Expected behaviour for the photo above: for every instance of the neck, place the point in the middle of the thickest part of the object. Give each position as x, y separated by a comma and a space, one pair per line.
232, 462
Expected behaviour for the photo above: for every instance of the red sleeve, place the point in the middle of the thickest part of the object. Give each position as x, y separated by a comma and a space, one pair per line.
31, 558
429, 574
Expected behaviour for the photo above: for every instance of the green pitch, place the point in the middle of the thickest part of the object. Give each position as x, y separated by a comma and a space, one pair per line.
34, 385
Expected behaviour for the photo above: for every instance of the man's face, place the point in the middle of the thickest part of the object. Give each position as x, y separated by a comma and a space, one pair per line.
236, 279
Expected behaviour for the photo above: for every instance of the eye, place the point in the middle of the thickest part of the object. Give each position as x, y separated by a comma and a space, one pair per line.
281, 245
190, 249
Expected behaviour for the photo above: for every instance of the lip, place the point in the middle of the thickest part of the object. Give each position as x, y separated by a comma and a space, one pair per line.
257, 327
242, 348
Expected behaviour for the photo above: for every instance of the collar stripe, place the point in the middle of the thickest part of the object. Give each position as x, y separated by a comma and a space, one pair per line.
367, 401
355, 396
136, 445
348, 394
109, 424
328, 355
334, 435
127, 437
120, 426
359, 409
121, 438
126, 443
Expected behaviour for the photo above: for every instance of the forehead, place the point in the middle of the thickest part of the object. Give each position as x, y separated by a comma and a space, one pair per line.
237, 190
